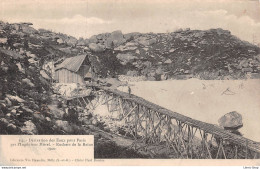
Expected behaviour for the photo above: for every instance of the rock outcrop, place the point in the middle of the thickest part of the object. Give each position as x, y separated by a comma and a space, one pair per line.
204, 54
210, 54
96, 47
231, 121
125, 58
115, 39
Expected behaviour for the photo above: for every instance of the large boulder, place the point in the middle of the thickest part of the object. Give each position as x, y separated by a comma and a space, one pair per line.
8, 102
145, 41
71, 41
64, 125
7, 127
231, 121
55, 111
96, 47
131, 36
27, 29
127, 46
168, 61
38, 117
28, 82
128, 37
15, 98
82, 42
66, 50
245, 70
132, 73
244, 64
3, 40
125, 58
60, 41
29, 128
159, 71
93, 39
257, 58
116, 38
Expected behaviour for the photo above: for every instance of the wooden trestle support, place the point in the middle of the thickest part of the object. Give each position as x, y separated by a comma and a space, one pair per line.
181, 136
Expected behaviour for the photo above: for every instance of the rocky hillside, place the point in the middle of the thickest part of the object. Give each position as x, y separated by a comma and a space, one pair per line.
209, 54
28, 103
43, 44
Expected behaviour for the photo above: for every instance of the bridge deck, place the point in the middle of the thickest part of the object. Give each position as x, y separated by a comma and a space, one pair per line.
208, 128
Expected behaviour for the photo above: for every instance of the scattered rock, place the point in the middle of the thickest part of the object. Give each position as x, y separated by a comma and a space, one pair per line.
164, 77
1, 113
257, 58
187, 71
94, 122
38, 117
20, 67
146, 42
159, 71
245, 70
4, 121
11, 128
60, 41
86, 121
137, 51
8, 102
125, 58
132, 73
15, 98
71, 41
3, 40
127, 47
29, 128
96, 47
13, 112
244, 63
45, 75
28, 82
66, 50
86, 48
48, 119
57, 113
116, 38
93, 39
171, 50
168, 61
64, 125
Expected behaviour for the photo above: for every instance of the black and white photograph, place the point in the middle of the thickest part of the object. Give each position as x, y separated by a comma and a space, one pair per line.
171, 79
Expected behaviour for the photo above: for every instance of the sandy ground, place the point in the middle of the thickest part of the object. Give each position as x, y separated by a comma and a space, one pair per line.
207, 100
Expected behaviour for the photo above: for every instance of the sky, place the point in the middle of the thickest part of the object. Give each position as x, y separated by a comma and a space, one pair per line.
84, 18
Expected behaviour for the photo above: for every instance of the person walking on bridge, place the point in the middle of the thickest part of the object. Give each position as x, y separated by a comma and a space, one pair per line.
129, 91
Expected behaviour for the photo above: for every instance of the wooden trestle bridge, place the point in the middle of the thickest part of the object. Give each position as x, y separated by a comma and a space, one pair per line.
150, 125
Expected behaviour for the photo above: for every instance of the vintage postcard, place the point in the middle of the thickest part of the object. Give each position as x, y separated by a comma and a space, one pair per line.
129, 82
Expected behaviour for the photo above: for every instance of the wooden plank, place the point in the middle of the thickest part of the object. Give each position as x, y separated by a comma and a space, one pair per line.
121, 106
84, 101
219, 147
129, 112
207, 146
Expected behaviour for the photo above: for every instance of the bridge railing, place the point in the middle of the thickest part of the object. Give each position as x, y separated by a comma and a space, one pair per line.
176, 135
